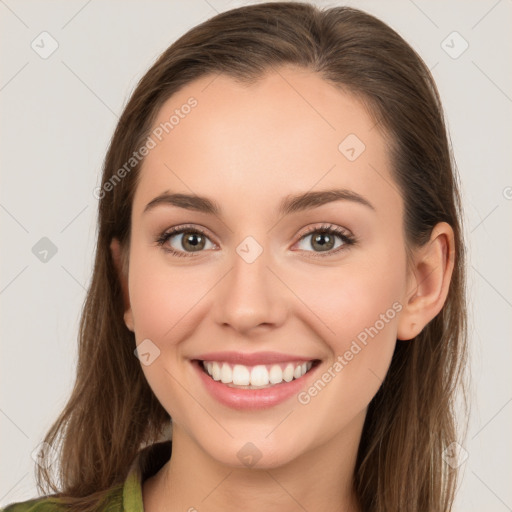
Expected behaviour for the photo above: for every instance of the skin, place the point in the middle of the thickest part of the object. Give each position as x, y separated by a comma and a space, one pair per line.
247, 147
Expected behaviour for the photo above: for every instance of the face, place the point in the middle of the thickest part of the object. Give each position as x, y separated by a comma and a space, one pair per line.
266, 285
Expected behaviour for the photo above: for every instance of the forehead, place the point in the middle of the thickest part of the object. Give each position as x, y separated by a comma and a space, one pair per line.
289, 132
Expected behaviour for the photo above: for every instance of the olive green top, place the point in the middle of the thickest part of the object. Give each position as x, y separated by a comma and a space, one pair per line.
125, 497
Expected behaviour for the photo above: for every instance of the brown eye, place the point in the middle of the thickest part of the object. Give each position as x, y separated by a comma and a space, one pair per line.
323, 240
183, 241
193, 241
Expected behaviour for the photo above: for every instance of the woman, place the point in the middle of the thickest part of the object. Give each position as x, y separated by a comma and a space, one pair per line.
307, 357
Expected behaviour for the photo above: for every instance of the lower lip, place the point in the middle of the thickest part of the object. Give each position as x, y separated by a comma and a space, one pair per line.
252, 398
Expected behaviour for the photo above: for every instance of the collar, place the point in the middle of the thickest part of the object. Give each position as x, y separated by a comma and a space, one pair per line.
147, 462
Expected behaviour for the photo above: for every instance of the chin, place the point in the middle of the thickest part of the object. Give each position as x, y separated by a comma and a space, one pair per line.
254, 451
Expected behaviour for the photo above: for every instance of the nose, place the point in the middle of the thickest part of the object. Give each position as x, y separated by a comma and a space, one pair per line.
250, 296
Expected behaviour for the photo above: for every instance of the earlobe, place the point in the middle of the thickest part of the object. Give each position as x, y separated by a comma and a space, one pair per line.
128, 319
117, 257
429, 283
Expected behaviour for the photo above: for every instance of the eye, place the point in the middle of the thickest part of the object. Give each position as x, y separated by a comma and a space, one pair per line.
324, 239
190, 240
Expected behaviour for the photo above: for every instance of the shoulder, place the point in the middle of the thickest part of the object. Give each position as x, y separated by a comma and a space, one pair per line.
123, 496
44, 504
112, 502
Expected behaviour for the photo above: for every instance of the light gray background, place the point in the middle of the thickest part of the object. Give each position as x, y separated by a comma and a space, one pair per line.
58, 115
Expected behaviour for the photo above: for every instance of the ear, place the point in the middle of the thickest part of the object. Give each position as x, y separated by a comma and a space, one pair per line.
122, 274
428, 282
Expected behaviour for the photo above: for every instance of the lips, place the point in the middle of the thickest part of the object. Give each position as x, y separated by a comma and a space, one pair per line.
273, 383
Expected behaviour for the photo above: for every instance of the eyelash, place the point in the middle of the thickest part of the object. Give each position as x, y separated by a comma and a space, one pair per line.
329, 229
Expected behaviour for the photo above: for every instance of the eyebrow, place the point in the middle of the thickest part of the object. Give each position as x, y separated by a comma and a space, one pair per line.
290, 204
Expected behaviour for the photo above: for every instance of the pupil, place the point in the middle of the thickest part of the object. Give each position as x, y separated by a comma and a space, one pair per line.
189, 240
324, 244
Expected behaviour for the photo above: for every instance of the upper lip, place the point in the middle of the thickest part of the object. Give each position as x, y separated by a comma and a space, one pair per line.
253, 358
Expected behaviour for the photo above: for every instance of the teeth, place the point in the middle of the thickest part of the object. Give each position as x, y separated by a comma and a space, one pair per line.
241, 375
259, 376
288, 373
255, 376
275, 375
226, 374
213, 370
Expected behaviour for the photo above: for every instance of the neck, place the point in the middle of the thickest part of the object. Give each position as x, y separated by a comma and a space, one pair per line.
318, 479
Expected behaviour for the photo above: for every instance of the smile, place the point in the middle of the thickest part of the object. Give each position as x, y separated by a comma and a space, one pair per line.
257, 380
258, 376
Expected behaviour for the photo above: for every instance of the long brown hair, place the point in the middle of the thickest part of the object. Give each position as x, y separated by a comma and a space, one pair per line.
112, 412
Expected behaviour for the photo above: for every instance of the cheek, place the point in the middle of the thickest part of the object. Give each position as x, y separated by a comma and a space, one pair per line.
345, 302
360, 307
162, 297
165, 302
